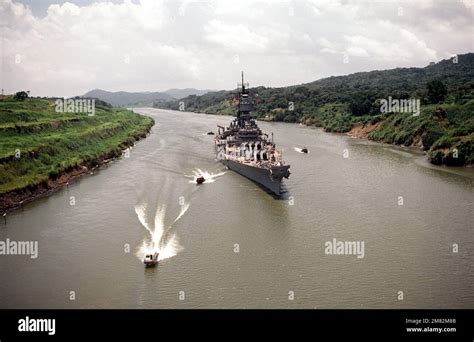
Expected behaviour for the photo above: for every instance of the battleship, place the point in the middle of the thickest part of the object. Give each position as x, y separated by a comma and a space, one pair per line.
245, 149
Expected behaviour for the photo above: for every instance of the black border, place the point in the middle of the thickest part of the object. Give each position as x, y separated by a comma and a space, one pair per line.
79, 324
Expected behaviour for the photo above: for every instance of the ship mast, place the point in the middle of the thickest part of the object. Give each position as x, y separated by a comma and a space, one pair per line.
245, 105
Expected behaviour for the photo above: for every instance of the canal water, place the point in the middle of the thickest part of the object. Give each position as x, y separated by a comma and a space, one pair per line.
229, 244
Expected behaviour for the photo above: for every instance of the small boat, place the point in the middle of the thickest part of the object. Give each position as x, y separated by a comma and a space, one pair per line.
151, 259
304, 150
200, 180
210, 133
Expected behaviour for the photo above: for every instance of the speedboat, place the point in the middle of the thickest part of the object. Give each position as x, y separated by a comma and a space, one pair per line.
151, 259
304, 150
200, 180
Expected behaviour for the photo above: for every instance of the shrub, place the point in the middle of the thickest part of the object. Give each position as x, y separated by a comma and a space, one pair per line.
429, 138
444, 142
290, 118
437, 157
20, 96
437, 91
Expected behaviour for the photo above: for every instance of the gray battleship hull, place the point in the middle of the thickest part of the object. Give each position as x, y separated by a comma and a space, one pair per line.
270, 179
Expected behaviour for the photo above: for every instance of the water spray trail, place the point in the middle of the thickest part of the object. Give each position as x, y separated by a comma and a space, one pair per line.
159, 224
184, 209
209, 177
169, 242
163, 240
140, 211
171, 248
300, 150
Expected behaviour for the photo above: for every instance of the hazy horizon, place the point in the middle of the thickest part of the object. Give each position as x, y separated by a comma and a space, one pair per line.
55, 48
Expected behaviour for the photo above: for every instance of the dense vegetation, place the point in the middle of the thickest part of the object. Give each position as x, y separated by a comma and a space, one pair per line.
444, 128
38, 144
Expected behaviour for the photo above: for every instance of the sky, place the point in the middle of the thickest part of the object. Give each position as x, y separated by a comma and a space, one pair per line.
54, 48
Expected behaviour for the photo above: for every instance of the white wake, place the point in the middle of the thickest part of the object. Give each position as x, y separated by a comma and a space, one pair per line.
300, 150
208, 176
161, 239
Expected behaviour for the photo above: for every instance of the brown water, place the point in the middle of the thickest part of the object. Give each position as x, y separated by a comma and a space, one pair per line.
281, 247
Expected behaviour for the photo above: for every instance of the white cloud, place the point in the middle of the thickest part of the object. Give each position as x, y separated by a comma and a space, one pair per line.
235, 37
154, 45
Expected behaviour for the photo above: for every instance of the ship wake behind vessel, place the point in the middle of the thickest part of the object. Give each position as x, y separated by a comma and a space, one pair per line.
245, 149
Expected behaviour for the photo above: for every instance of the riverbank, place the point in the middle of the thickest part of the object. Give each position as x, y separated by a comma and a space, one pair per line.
444, 132
42, 150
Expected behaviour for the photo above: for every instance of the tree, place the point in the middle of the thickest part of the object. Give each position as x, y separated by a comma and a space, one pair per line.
360, 105
437, 91
20, 96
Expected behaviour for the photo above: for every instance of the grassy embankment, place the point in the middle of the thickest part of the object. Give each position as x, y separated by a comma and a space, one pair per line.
40, 148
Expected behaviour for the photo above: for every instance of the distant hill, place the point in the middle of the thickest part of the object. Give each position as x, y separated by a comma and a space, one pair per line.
340, 104
137, 99
180, 93
128, 99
